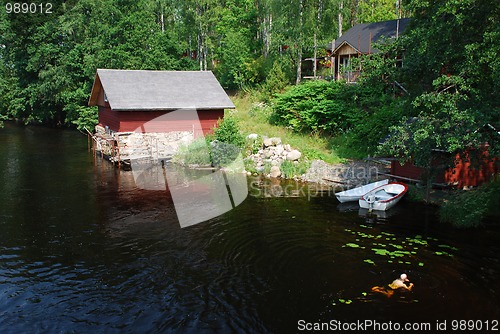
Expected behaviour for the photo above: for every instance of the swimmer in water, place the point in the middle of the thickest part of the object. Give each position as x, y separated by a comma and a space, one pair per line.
397, 284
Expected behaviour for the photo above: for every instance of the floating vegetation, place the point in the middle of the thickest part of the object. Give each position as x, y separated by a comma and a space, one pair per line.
449, 247
353, 245
443, 253
345, 301
365, 226
389, 248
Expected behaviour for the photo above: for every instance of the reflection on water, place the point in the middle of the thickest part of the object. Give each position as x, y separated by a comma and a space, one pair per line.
83, 249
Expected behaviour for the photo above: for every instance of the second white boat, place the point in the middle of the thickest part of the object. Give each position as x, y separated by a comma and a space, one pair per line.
384, 197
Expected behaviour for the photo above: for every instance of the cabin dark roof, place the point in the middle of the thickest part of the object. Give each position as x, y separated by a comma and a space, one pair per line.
159, 90
358, 37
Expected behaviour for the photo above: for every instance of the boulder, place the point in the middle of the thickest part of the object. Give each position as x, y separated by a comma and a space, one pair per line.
275, 141
293, 155
267, 141
252, 136
99, 129
279, 149
275, 171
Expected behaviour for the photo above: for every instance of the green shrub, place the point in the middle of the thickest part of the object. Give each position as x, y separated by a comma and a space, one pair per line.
223, 154
358, 115
469, 208
276, 81
290, 169
250, 165
316, 106
253, 146
227, 131
195, 153
415, 193
374, 127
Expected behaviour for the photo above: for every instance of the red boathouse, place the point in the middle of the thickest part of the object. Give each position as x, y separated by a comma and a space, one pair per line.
461, 174
128, 100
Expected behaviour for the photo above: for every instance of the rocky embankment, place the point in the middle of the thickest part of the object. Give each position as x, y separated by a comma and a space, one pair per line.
278, 160
269, 158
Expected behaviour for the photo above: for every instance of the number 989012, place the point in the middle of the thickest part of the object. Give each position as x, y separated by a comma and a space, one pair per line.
28, 8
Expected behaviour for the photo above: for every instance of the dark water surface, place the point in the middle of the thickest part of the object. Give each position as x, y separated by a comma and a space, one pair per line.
83, 250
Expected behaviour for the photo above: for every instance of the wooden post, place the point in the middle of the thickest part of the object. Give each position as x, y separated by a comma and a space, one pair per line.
117, 140
370, 44
349, 72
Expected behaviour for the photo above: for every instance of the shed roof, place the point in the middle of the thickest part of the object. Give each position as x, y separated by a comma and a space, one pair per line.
159, 90
358, 37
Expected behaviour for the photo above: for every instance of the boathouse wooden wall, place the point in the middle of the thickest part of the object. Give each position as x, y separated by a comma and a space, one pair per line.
128, 121
462, 174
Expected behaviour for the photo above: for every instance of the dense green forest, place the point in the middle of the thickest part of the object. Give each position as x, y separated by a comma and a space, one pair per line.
450, 55
444, 97
48, 60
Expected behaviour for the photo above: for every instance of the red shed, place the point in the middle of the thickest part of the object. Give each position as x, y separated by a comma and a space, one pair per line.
128, 99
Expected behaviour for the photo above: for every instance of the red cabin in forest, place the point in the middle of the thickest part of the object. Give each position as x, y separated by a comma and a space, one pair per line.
143, 101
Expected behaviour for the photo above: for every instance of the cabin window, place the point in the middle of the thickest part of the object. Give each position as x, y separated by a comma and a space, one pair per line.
105, 98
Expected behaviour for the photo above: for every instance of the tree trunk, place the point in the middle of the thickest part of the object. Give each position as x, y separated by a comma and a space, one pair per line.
341, 8
299, 65
314, 60
299, 43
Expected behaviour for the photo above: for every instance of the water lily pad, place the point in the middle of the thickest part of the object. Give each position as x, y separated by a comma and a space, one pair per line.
449, 247
344, 301
379, 251
369, 261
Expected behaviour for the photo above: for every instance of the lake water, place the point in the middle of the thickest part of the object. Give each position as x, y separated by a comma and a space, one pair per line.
82, 249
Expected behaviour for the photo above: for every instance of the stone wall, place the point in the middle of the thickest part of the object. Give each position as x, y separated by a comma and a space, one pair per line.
138, 146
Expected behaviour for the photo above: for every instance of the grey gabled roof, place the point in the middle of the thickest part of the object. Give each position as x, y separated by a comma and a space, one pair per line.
358, 37
159, 90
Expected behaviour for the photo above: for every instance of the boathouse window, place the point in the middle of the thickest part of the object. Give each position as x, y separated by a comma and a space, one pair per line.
105, 98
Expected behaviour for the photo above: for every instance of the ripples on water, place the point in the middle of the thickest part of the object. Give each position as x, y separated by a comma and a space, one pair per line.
82, 249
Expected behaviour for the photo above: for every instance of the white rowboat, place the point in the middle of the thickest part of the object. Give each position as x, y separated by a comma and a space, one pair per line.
384, 197
355, 193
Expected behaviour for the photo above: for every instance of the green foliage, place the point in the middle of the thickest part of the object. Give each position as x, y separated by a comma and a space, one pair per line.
469, 208
291, 169
253, 146
442, 123
86, 119
317, 106
250, 166
357, 116
276, 80
196, 153
416, 193
227, 131
227, 143
376, 10
49, 61
223, 154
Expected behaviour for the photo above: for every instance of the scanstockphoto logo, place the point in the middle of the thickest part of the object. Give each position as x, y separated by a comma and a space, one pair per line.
196, 198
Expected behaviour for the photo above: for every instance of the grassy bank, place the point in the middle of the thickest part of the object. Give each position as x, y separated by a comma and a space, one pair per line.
253, 117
